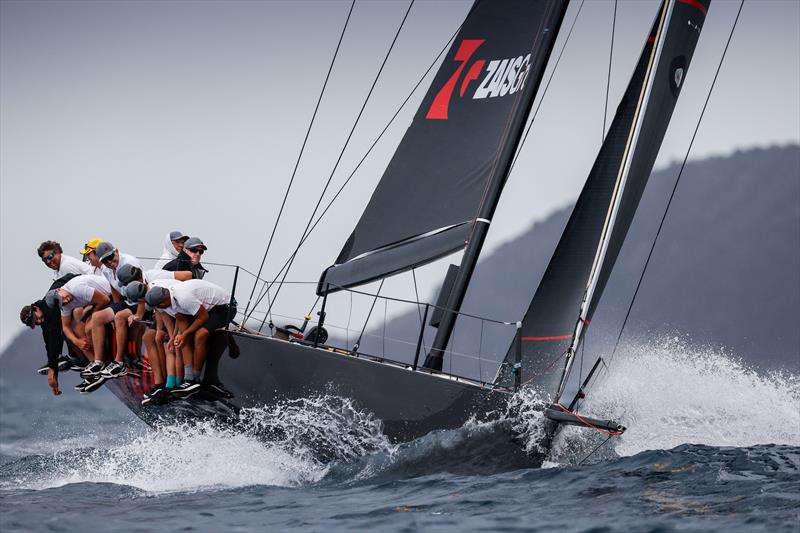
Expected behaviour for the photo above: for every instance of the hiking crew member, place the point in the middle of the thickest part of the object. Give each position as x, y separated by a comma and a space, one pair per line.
129, 273
200, 308
136, 283
160, 351
89, 254
189, 259
73, 299
49, 318
53, 257
179, 361
118, 312
173, 245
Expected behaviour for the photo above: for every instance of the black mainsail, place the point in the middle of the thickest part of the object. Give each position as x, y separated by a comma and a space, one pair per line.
574, 280
447, 172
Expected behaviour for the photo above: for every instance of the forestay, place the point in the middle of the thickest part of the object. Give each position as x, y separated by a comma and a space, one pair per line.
581, 264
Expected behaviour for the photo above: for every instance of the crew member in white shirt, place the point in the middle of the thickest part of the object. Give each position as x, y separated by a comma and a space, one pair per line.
52, 255
129, 275
201, 308
73, 300
89, 254
118, 311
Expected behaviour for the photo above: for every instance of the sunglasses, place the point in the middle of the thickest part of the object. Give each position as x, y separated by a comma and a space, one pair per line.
196, 250
48, 257
108, 259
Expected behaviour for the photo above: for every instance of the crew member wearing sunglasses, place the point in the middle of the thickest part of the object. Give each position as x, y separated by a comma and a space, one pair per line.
189, 259
53, 257
118, 313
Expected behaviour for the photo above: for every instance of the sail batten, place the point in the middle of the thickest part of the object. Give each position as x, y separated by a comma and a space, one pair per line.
454, 152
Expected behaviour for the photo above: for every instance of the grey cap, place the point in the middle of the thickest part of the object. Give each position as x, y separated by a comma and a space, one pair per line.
53, 298
135, 291
104, 250
177, 235
194, 242
127, 273
155, 296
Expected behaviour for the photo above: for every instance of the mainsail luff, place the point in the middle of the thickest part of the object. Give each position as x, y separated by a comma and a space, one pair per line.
439, 179
575, 278
546, 37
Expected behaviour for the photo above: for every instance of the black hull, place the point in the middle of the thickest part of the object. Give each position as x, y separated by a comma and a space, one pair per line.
409, 404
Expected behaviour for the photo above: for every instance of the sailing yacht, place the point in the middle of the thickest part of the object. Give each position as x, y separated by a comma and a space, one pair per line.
437, 197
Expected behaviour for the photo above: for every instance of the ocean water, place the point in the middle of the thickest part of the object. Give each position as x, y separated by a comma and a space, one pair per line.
711, 446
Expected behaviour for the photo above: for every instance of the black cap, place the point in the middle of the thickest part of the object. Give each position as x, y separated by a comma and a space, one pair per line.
53, 298
104, 250
135, 291
127, 273
155, 296
195, 242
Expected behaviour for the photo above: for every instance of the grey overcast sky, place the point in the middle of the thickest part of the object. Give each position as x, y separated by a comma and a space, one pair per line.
125, 120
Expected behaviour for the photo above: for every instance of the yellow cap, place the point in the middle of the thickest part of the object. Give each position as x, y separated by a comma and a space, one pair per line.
91, 245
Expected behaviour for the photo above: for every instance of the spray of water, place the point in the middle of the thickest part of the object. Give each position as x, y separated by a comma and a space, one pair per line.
526, 415
286, 445
669, 392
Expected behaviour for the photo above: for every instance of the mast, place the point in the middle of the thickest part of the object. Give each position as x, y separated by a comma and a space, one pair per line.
540, 54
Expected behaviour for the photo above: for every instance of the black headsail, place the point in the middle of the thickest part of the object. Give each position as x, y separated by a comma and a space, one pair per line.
581, 264
450, 166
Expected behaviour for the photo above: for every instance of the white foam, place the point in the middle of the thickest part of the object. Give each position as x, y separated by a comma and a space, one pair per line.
205, 455
179, 458
669, 392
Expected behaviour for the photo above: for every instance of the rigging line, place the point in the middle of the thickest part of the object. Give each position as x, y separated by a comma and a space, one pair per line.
608, 81
544, 92
372, 146
383, 341
371, 307
313, 306
583, 355
595, 450
349, 317
675, 186
446, 309
344, 147
419, 308
480, 352
299, 156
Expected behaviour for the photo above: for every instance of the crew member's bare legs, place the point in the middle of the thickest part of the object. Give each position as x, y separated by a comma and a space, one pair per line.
151, 347
121, 333
99, 321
